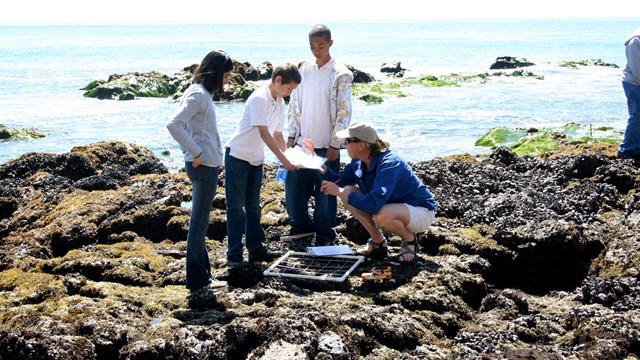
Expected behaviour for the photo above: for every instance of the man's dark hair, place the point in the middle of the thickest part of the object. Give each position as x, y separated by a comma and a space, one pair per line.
320, 31
288, 72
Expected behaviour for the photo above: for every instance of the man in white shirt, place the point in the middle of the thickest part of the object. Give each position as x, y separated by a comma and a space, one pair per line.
318, 108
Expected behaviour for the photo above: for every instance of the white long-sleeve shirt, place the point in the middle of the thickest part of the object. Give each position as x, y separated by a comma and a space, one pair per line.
194, 126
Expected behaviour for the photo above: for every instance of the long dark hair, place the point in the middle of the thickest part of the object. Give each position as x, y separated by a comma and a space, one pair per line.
210, 72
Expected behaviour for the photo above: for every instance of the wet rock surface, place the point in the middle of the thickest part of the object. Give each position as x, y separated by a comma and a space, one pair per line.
13, 133
510, 62
133, 85
530, 257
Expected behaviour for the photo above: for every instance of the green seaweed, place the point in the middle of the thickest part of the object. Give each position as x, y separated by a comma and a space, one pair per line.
94, 84
589, 139
454, 79
246, 90
535, 144
10, 133
130, 86
370, 98
434, 81
538, 141
500, 136
376, 92
589, 62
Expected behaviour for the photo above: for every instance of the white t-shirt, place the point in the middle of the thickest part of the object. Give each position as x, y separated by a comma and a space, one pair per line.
315, 96
261, 109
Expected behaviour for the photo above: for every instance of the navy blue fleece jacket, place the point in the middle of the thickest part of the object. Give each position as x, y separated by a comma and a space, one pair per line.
389, 179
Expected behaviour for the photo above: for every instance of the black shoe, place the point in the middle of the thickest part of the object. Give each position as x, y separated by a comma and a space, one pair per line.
263, 254
320, 241
635, 157
237, 264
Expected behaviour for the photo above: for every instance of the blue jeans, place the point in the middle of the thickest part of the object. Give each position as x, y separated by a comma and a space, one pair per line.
631, 143
299, 187
204, 181
242, 184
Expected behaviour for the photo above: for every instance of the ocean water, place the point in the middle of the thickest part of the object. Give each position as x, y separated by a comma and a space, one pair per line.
44, 68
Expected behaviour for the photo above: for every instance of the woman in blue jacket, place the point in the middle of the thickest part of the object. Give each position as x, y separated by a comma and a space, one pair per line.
380, 189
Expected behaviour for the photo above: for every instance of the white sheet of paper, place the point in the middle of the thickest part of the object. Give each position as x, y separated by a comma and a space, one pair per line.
330, 250
298, 157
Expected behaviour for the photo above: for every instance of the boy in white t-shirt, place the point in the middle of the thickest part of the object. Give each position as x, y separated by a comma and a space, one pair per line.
261, 124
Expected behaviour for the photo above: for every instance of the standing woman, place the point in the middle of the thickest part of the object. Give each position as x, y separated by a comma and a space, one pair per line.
194, 126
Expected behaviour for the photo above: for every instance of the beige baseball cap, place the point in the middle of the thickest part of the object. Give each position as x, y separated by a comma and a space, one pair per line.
361, 130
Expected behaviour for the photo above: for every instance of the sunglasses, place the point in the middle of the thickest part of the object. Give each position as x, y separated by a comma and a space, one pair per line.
352, 140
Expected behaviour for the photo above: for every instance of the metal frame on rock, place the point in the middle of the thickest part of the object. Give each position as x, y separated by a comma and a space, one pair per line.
302, 265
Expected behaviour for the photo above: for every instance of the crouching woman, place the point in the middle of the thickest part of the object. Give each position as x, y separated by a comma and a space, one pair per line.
381, 190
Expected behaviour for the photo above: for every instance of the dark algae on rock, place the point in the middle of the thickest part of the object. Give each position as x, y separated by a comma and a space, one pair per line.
530, 257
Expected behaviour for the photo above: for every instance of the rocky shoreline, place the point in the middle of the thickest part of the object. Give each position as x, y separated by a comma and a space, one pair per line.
245, 79
530, 257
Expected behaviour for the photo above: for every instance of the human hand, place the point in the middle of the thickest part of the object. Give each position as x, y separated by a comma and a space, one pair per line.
330, 188
289, 166
197, 162
308, 146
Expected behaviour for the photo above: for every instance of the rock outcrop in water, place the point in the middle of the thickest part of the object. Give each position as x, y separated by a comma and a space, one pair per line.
13, 133
510, 62
530, 257
243, 82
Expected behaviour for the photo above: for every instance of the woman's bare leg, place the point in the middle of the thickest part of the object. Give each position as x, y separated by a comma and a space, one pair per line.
394, 218
366, 220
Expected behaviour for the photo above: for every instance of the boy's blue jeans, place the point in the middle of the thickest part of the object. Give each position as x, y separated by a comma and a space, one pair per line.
631, 143
299, 187
204, 181
242, 184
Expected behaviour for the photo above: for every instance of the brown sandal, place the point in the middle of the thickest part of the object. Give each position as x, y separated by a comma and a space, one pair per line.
405, 250
378, 250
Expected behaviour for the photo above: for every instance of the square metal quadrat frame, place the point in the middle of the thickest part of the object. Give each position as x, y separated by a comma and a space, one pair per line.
303, 265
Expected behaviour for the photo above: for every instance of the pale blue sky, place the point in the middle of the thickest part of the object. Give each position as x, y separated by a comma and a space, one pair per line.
279, 11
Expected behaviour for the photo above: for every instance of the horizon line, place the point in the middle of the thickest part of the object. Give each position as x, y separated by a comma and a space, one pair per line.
275, 22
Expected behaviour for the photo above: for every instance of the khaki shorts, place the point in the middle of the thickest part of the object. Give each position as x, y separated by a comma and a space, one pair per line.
420, 218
